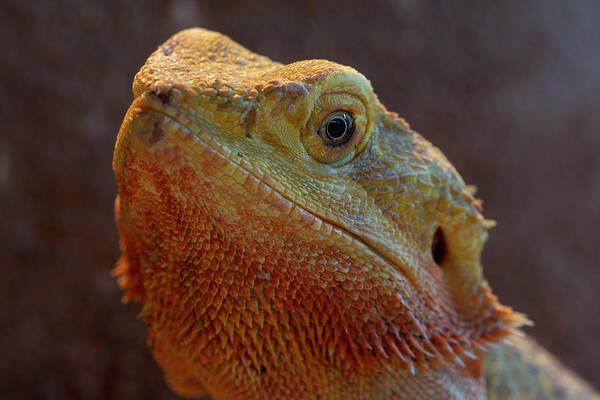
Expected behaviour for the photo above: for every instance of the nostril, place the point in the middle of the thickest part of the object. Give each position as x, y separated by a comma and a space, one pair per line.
438, 246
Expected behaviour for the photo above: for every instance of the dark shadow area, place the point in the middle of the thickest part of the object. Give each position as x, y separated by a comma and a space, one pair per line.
510, 91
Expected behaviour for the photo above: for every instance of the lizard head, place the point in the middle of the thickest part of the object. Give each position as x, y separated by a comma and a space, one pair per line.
279, 220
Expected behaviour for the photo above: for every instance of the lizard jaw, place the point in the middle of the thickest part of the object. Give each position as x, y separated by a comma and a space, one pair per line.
392, 333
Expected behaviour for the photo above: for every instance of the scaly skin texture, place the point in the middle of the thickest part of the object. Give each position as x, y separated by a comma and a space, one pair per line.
271, 265
522, 370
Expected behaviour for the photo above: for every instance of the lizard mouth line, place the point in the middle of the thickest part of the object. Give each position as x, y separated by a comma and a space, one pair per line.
378, 255
379, 258
198, 135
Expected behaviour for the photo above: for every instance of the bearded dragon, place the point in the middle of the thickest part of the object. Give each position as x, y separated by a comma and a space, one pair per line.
290, 238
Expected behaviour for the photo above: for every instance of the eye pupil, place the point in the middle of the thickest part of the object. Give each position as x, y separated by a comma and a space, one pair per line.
336, 128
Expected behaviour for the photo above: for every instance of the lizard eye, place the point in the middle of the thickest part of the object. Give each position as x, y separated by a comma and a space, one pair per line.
337, 129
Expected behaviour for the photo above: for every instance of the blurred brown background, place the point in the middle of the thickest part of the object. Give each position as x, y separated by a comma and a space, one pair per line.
509, 90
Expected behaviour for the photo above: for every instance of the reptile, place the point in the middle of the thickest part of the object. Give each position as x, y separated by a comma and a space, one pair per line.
290, 238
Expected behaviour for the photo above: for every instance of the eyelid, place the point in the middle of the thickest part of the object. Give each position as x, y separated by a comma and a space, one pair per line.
327, 104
